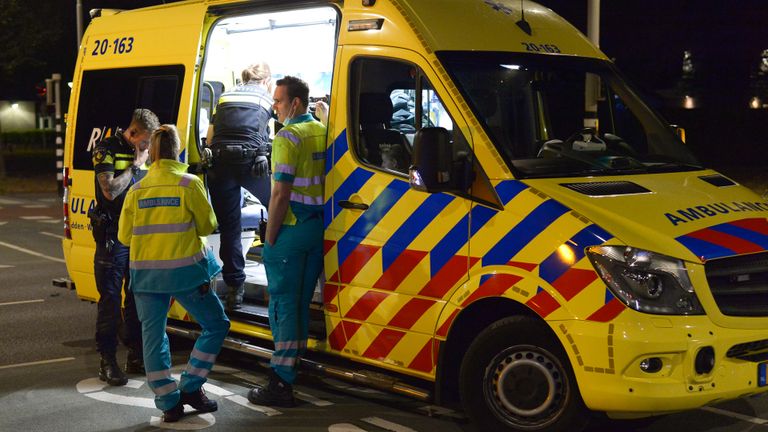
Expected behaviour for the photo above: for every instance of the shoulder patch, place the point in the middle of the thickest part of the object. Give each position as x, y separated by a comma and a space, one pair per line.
99, 154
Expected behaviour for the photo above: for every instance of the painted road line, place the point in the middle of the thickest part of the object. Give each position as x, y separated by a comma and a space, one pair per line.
438, 411
344, 427
6, 201
35, 217
34, 206
240, 400
312, 399
735, 415
188, 422
51, 234
50, 221
387, 425
27, 251
3, 223
22, 302
42, 362
134, 384
2, 266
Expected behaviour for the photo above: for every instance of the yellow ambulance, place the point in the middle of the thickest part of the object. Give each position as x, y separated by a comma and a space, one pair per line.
483, 248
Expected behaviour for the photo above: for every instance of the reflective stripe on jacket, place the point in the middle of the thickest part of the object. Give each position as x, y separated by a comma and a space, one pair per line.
298, 158
164, 221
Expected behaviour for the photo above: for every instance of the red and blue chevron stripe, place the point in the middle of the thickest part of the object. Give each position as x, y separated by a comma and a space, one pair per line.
733, 238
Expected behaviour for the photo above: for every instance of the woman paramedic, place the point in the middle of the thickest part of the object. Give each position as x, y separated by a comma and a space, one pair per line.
163, 219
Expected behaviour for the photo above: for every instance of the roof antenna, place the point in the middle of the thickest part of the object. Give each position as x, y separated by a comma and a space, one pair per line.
523, 24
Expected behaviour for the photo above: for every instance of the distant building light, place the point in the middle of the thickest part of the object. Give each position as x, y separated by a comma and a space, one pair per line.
14, 106
755, 103
689, 102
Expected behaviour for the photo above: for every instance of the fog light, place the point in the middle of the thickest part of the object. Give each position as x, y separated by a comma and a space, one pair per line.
705, 360
651, 365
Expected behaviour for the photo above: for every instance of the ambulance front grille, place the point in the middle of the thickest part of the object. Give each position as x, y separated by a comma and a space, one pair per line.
756, 351
740, 284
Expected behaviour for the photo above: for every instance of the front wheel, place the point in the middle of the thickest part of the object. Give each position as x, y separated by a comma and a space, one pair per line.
516, 377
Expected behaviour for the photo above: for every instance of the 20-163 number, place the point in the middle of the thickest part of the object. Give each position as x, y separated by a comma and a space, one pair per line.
119, 46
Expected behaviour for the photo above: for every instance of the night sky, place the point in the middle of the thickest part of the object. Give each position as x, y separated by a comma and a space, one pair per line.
646, 39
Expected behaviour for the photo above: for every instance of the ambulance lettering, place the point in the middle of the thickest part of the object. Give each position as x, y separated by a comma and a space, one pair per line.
709, 210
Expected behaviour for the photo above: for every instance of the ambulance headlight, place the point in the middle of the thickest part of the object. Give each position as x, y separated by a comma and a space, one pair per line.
646, 281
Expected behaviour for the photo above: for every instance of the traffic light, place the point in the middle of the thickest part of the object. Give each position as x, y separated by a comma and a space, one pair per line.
41, 90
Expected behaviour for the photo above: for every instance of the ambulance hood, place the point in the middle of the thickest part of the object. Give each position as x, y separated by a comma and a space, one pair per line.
695, 216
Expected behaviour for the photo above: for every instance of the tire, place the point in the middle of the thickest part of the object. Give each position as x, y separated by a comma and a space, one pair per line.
516, 377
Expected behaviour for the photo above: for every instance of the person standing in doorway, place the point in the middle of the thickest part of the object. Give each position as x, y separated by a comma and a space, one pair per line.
165, 218
117, 161
293, 248
239, 144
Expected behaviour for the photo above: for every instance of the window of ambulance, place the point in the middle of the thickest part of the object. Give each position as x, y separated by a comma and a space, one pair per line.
533, 108
108, 98
387, 100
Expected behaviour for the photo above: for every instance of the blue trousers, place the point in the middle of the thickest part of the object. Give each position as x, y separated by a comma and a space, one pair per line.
207, 310
110, 269
224, 182
293, 265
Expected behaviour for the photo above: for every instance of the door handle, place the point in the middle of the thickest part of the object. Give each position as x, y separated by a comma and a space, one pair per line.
353, 205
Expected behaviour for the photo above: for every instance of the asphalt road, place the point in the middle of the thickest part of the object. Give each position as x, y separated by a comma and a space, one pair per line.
48, 365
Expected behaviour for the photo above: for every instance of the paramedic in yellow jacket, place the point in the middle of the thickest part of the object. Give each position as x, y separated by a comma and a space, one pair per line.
164, 220
293, 248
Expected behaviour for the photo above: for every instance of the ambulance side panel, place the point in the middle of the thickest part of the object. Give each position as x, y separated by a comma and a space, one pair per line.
144, 58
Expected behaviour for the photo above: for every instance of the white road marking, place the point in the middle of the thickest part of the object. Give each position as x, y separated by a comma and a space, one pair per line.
49, 200
434, 410
3, 223
344, 427
134, 384
312, 399
35, 217
34, 206
732, 414
240, 400
22, 302
42, 362
7, 201
387, 425
50, 221
2, 266
27, 251
51, 234
122, 400
188, 422
218, 391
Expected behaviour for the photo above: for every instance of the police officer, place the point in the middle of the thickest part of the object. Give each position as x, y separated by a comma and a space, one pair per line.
170, 207
293, 255
116, 162
239, 144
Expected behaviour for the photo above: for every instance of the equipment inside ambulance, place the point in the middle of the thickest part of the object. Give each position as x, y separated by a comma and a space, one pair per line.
485, 231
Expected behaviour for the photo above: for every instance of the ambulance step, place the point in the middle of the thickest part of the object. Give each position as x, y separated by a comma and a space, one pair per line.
367, 378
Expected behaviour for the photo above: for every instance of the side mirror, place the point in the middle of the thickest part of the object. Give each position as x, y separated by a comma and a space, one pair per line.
434, 169
679, 131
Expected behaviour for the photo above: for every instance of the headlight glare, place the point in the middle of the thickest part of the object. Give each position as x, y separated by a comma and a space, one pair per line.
646, 281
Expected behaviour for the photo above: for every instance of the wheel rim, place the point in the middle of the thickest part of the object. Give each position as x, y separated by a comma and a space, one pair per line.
526, 387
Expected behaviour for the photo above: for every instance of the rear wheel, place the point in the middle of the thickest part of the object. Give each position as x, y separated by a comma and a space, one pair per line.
516, 377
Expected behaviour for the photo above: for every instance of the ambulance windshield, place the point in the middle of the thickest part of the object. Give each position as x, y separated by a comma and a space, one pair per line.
556, 116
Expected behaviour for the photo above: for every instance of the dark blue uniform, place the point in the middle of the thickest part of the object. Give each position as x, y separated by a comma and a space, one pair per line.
241, 133
110, 264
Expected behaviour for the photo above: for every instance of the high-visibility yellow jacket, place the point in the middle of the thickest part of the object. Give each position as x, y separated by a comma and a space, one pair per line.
164, 221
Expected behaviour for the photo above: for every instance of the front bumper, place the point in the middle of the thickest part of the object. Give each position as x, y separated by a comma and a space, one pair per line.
606, 360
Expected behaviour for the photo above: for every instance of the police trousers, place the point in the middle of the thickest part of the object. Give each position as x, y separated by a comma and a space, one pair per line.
224, 183
206, 309
110, 269
293, 265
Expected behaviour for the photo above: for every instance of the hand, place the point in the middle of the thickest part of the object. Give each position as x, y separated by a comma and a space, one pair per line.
141, 157
260, 166
321, 111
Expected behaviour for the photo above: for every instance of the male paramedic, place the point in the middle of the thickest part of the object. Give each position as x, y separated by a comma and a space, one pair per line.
293, 248
116, 162
165, 218
239, 145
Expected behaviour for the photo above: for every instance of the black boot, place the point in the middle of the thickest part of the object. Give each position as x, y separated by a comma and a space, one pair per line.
134, 362
199, 401
234, 298
276, 393
110, 372
174, 414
